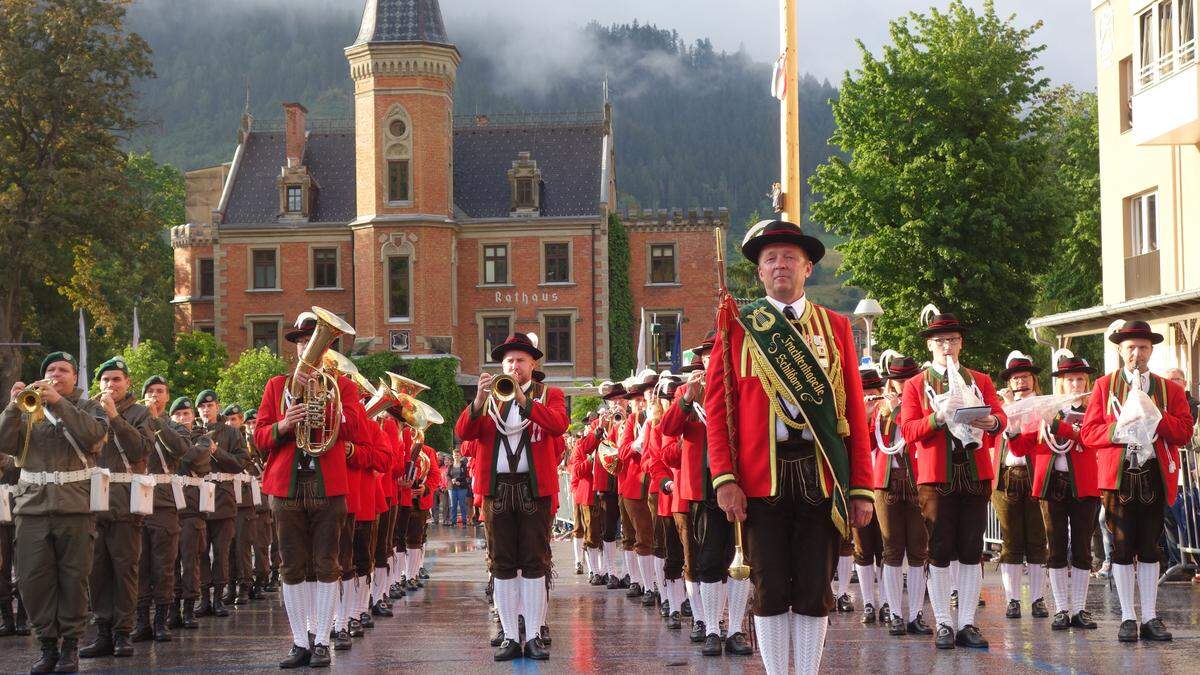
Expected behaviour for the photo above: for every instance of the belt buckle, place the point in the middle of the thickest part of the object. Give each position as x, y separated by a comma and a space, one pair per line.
57, 477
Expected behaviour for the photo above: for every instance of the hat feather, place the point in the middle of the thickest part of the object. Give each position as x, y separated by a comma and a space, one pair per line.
1013, 355
1060, 354
885, 359
927, 313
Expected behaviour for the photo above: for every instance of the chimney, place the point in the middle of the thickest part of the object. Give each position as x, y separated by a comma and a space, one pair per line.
482, 120
293, 125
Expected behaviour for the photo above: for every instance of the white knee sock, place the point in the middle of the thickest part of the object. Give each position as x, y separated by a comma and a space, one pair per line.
364, 594
610, 558
1060, 586
844, 565
1037, 582
774, 641
1010, 575
866, 585
970, 577
808, 641
634, 570
380, 582
1147, 581
1123, 578
1079, 589
675, 590
660, 574
295, 601
310, 605
506, 594
916, 591
954, 568
533, 604
882, 587
693, 595
893, 586
420, 559
645, 565
713, 605
325, 597
939, 593
401, 565
739, 593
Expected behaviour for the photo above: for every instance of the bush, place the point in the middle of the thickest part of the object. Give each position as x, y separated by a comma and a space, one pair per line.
580, 407
245, 379
199, 359
147, 359
445, 394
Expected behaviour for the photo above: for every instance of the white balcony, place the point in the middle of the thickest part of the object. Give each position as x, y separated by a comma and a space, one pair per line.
1167, 111
1166, 99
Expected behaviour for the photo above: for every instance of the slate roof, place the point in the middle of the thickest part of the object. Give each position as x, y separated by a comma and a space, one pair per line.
568, 155
402, 21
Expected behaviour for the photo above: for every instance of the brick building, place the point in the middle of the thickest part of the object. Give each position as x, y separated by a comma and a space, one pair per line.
430, 233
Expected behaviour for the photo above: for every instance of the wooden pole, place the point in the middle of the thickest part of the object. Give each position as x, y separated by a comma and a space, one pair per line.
789, 116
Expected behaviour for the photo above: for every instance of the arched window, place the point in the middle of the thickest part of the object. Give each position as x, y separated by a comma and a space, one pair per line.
397, 154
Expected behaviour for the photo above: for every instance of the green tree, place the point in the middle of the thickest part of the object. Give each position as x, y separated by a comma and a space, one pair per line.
439, 374
947, 196
199, 360
581, 406
67, 69
244, 381
620, 301
143, 361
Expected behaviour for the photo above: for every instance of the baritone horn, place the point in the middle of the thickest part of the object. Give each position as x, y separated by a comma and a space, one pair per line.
317, 431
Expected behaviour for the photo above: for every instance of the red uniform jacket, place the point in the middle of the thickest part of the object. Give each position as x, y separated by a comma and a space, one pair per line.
1081, 460
682, 423
547, 419
662, 465
756, 468
602, 480
469, 449
367, 460
631, 480
889, 428
930, 440
580, 467
391, 432
279, 475
400, 470
1174, 429
433, 480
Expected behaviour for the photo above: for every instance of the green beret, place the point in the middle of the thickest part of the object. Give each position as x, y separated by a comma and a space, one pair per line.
181, 403
232, 409
206, 396
251, 414
115, 363
59, 356
151, 381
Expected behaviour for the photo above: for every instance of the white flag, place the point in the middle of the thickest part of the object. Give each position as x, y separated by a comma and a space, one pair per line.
137, 333
83, 360
642, 360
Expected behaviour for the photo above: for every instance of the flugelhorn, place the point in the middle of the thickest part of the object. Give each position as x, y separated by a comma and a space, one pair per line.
504, 388
317, 431
29, 401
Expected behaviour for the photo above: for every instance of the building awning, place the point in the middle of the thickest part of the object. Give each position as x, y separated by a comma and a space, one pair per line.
1093, 320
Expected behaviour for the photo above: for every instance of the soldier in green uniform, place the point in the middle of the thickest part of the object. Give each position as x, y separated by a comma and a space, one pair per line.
9, 624
192, 530
229, 458
246, 522
56, 450
261, 539
118, 546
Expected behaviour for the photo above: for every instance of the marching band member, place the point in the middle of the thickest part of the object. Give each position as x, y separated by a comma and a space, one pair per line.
192, 531
1022, 532
607, 486
868, 543
1138, 469
518, 470
789, 454
660, 455
579, 467
637, 524
246, 520
954, 473
55, 447
261, 537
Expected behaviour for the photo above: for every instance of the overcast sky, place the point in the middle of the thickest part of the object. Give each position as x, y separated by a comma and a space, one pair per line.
827, 29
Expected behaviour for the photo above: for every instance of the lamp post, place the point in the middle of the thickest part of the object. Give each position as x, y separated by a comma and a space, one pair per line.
868, 310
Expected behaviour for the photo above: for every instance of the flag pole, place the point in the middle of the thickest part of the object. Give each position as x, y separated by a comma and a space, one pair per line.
789, 116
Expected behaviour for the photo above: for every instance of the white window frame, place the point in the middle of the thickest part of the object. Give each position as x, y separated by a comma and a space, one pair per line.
1141, 231
1151, 65
508, 266
481, 319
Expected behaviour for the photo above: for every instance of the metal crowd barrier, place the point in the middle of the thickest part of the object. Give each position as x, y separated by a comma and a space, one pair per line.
1186, 535
564, 518
991, 533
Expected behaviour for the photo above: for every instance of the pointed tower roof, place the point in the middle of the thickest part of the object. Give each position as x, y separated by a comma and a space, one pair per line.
402, 21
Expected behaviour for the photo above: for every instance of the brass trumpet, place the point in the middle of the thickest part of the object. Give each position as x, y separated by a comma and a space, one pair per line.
30, 401
504, 388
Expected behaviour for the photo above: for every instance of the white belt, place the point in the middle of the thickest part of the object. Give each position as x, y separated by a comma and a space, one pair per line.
162, 478
225, 477
55, 477
124, 477
191, 481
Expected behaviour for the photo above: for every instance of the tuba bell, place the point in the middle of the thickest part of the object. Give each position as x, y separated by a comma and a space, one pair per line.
317, 431
504, 388
608, 457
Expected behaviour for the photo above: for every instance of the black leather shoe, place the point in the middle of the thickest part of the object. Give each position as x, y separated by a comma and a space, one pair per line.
366, 620
1014, 610
161, 632
844, 604
395, 592
175, 616
1062, 620
896, 626
535, 649
697, 634
918, 626
954, 598
664, 608
599, 580
1038, 609
189, 615
1128, 632
968, 636
713, 645
299, 657
635, 591
885, 614
1155, 630
649, 599
613, 583
243, 596
945, 637
142, 632
228, 594
68, 656
218, 608
422, 573
1083, 619
497, 638
49, 658
507, 650
272, 585
868, 615
685, 609
102, 645
738, 645
320, 657
256, 591
380, 608
22, 621
545, 634
673, 622
623, 582
578, 568
122, 647
205, 606
354, 628
342, 641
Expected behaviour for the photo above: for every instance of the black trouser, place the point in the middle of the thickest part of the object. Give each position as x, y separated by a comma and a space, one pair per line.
1070, 519
7, 541
673, 567
1134, 514
956, 515
711, 536
791, 541
610, 503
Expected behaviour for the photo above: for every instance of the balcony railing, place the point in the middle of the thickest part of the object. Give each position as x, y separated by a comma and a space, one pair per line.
1142, 276
1167, 64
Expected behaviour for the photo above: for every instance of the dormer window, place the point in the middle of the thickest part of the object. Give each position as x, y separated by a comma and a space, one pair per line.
295, 203
525, 181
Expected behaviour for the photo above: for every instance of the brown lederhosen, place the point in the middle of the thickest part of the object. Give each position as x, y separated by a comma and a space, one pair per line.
955, 514
595, 529
1022, 531
518, 528
659, 525
901, 525
309, 532
384, 537
417, 530
685, 539
346, 547
364, 546
400, 531
582, 518
790, 538
1134, 514
1067, 517
637, 526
